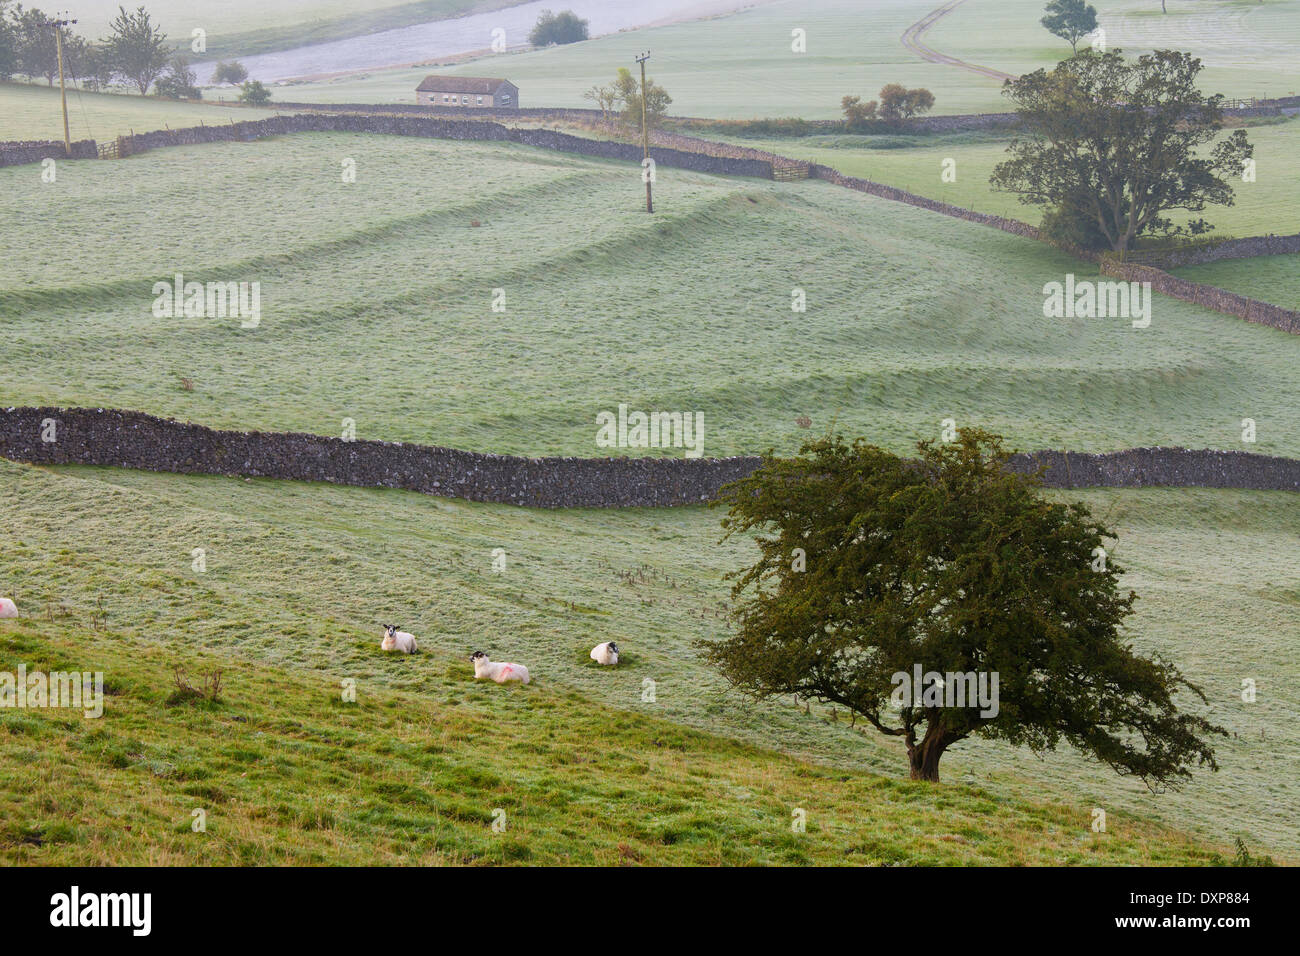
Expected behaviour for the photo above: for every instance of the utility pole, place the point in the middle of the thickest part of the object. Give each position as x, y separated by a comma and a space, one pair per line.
58, 43
645, 137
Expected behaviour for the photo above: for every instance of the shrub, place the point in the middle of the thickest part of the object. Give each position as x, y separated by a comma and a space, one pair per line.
552, 28
232, 72
178, 82
898, 103
254, 93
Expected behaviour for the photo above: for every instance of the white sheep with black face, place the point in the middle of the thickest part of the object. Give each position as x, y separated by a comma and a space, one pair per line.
8, 608
606, 653
395, 640
502, 673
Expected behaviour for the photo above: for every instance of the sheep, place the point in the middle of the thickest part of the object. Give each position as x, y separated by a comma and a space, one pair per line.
8, 608
395, 640
501, 673
606, 653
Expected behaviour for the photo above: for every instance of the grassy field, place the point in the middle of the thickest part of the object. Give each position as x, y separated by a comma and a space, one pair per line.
736, 66
1273, 279
285, 773
280, 24
33, 111
376, 305
297, 576
1248, 48
1269, 204
742, 66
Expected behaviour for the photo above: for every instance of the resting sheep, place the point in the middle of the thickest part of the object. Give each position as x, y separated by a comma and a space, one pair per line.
8, 608
395, 640
606, 653
501, 673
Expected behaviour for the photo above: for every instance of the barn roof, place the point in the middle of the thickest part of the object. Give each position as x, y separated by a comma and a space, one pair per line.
482, 85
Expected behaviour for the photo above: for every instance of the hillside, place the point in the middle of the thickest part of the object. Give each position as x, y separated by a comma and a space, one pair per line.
376, 305
298, 577
286, 773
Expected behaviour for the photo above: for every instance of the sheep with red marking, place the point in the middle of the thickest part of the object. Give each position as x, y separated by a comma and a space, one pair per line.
8, 608
502, 673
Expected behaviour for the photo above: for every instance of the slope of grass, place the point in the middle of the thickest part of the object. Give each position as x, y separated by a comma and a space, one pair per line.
298, 576
1270, 204
1273, 279
283, 771
33, 111
376, 300
243, 27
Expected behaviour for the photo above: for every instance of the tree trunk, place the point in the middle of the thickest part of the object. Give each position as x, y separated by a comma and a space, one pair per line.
924, 757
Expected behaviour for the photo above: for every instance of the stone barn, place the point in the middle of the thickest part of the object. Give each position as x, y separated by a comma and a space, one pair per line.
471, 91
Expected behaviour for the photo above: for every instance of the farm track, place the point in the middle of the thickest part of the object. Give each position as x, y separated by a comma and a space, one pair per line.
912, 40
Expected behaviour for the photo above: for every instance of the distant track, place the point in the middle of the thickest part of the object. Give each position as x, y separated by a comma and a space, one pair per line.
912, 40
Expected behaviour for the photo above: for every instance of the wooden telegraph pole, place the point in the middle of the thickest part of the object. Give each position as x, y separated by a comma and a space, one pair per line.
58, 43
645, 137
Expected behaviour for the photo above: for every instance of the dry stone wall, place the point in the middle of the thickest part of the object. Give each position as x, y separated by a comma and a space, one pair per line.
1211, 297
18, 153
125, 439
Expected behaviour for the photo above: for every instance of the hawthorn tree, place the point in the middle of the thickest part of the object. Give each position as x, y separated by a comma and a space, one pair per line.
870, 565
1118, 143
1071, 20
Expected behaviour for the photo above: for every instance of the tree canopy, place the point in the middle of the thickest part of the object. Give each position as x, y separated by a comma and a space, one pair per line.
873, 567
627, 89
233, 72
1071, 20
563, 27
137, 48
1118, 142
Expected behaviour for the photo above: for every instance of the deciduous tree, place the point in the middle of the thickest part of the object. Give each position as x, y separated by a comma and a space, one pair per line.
137, 48
1071, 20
1122, 143
870, 565
563, 27
898, 103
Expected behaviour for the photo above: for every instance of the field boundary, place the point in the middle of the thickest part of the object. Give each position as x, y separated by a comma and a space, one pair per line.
128, 439
1247, 247
1207, 296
